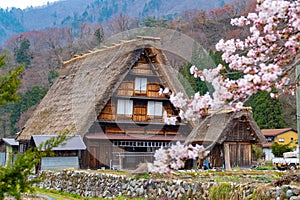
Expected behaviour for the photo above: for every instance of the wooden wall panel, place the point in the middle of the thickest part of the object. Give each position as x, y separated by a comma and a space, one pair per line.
140, 111
126, 89
142, 68
153, 90
155, 131
114, 129
140, 118
108, 112
93, 164
241, 132
99, 154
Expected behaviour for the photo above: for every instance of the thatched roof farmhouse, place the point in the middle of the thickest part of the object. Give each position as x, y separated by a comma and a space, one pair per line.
93, 83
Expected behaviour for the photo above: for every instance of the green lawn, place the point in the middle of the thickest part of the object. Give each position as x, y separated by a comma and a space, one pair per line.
66, 196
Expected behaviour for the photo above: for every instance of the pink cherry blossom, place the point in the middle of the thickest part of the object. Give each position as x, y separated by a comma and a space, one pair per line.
160, 92
264, 57
173, 157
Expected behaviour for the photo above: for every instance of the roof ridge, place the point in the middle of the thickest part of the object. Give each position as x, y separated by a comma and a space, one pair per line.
113, 45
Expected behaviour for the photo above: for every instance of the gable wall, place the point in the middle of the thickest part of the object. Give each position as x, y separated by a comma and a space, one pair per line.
241, 132
129, 129
286, 137
140, 98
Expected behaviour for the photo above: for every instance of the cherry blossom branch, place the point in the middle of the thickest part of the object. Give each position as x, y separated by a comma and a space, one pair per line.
174, 157
264, 58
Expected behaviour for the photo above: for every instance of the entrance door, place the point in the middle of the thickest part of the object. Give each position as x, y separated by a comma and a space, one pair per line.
93, 157
240, 154
105, 154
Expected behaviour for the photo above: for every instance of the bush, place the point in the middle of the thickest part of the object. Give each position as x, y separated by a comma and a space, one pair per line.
258, 152
279, 149
14, 178
220, 192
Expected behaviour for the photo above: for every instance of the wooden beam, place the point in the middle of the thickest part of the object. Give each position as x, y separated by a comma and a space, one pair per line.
227, 156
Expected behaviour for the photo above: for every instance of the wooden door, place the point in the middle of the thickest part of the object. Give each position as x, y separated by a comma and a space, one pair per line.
246, 155
239, 154
93, 158
105, 154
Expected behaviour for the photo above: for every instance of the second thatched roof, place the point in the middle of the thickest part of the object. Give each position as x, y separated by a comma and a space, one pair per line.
214, 128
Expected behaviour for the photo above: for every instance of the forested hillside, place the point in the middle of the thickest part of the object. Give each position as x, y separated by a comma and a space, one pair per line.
53, 34
71, 13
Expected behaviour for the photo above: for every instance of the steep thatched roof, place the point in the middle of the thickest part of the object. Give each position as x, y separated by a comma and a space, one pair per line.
215, 127
87, 82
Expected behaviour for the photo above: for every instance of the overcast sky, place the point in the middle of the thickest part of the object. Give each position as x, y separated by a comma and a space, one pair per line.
23, 3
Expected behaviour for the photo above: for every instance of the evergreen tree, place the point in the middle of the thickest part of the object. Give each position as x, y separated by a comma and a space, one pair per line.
152, 22
190, 83
52, 76
99, 34
266, 111
29, 98
22, 52
202, 60
9, 83
14, 179
217, 58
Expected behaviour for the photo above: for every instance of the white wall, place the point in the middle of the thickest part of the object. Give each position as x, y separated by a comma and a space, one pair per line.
268, 153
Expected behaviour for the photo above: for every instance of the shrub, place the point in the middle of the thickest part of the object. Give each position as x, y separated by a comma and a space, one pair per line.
220, 192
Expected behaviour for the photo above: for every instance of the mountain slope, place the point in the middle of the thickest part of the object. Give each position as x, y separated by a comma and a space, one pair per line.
69, 13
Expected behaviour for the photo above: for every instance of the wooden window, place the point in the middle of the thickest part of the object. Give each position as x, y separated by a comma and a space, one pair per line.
154, 108
22, 148
125, 107
140, 84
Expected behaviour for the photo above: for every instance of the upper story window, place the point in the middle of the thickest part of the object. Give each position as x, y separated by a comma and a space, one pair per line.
140, 84
281, 139
125, 107
154, 108
270, 139
22, 147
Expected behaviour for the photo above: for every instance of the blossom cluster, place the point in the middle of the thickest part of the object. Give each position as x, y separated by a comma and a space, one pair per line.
173, 157
264, 59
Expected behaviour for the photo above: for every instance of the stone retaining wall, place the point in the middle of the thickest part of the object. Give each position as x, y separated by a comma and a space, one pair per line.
110, 186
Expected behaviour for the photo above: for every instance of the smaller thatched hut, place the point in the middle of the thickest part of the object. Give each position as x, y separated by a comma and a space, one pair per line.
229, 137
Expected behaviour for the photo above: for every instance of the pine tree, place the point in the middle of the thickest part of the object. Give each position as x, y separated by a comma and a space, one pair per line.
9, 83
266, 111
22, 52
